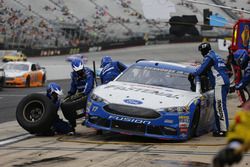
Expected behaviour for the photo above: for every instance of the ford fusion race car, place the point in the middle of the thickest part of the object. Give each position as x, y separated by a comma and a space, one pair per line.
153, 99
24, 74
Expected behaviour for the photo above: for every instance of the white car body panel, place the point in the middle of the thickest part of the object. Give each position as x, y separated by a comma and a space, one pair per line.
153, 97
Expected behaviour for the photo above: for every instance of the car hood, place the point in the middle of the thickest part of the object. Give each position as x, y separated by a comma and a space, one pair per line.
14, 73
146, 96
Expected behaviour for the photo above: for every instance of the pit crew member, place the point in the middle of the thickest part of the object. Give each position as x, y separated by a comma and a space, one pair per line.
59, 126
234, 68
215, 68
242, 60
110, 69
82, 81
238, 139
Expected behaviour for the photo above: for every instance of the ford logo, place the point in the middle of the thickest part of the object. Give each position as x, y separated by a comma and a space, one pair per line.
132, 101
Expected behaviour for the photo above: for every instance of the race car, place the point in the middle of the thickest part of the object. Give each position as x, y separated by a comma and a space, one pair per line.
2, 78
153, 99
14, 56
24, 74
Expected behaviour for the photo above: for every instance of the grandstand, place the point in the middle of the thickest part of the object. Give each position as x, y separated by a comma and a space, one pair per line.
64, 23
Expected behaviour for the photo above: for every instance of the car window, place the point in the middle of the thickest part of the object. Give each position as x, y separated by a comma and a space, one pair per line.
157, 77
33, 67
38, 67
21, 67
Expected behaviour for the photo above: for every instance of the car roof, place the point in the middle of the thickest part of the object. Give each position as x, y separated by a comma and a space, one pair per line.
185, 67
20, 62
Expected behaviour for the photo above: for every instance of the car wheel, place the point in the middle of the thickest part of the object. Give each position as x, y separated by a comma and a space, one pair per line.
195, 123
73, 103
27, 83
36, 113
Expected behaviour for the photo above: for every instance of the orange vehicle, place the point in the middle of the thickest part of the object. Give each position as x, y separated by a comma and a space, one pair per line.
24, 74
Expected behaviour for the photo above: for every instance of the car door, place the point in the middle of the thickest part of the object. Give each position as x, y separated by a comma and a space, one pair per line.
207, 101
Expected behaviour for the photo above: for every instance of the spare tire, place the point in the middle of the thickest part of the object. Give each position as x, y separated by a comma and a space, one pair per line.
36, 113
73, 103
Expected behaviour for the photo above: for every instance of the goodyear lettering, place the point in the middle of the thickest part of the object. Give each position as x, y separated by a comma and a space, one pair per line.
132, 120
115, 87
221, 115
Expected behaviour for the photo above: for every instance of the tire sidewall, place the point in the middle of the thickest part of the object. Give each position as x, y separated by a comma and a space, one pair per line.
45, 121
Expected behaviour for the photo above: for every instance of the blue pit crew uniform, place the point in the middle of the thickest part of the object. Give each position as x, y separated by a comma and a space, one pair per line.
242, 59
214, 66
111, 70
82, 85
59, 126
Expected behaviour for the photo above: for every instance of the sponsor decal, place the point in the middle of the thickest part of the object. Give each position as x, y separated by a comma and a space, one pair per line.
143, 90
184, 122
183, 125
221, 114
94, 109
169, 121
132, 101
132, 120
183, 119
183, 130
88, 106
245, 36
183, 135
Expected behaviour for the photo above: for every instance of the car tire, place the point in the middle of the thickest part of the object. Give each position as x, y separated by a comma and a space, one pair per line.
27, 83
36, 113
73, 103
195, 123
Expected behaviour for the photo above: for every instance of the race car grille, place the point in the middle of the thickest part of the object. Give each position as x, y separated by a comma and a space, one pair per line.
127, 126
131, 111
99, 121
141, 128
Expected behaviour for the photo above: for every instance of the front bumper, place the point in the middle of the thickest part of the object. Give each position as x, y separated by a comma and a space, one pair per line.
166, 126
15, 82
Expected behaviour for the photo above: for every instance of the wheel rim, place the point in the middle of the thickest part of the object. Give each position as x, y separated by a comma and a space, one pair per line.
33, 111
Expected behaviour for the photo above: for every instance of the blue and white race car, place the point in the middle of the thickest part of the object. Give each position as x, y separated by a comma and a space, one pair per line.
154, 99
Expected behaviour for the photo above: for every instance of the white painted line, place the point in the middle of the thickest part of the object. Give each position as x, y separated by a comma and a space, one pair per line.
14, 139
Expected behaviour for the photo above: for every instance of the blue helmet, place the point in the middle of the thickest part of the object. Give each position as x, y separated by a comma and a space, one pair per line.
241, 58
77, 65
105, 60
54, 88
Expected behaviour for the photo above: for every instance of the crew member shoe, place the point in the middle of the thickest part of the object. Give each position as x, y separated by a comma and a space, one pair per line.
219, 134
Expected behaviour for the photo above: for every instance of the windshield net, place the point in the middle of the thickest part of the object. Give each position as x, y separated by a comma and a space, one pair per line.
157, 77
21, 67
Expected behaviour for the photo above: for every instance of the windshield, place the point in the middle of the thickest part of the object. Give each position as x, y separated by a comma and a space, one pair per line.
21, 67
157, 77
